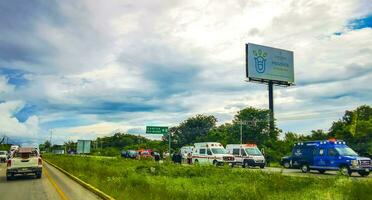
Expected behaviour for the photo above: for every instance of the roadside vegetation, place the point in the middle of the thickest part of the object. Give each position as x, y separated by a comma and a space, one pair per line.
4, 147
132, 179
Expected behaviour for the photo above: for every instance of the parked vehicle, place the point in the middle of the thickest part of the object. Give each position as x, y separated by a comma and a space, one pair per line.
24, 161
14, 147
247, 155
145, 153
327, 155
211, 153
3, 156
129, 154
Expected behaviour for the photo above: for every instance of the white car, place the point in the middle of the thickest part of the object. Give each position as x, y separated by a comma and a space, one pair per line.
247, 155
3, 156
211, 153
24, 161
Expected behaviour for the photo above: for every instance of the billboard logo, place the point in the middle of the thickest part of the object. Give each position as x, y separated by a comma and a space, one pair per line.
260, 60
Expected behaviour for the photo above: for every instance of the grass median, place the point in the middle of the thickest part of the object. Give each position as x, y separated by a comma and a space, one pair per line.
132, 179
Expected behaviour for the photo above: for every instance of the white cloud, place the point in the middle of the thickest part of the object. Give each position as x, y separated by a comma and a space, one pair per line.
9, 124
118, 51
5, 88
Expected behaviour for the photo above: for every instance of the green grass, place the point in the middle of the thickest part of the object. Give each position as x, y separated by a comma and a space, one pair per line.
131, 179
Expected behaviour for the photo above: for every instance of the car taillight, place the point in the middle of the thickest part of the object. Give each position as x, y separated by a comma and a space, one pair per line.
9, 163
40, 162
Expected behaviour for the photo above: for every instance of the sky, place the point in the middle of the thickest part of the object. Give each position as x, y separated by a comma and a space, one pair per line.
89, 68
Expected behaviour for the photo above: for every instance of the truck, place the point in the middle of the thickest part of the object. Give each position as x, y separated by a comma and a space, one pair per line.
327, 155
211, 153
24, 160
246, 155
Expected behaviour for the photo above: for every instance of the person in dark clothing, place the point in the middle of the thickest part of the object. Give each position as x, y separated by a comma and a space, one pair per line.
189, 158
179, 158
174, 159
156, 156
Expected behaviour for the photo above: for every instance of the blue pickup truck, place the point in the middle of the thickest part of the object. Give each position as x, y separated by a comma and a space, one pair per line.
327, 155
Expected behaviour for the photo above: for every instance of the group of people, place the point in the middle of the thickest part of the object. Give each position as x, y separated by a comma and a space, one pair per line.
177, 158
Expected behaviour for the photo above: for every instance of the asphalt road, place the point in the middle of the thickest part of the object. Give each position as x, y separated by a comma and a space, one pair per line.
53, 185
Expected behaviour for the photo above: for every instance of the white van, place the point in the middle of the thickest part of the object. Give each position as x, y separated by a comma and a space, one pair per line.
246, 155
186, 150
211, 153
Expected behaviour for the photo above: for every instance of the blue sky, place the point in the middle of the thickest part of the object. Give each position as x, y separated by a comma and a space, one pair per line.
85, 69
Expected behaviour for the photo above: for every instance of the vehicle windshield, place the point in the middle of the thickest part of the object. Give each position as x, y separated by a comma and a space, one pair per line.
2, 153
346, 151
253, 151
218, 150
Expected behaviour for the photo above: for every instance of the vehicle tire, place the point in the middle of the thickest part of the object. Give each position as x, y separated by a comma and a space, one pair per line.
244, 164
196, 162
345, 171
363, 174
262, 166
321, 171
305, 168
286, 165
215, 163
9, 177
38, 175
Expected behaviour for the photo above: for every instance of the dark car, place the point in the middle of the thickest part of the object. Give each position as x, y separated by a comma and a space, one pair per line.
129, 154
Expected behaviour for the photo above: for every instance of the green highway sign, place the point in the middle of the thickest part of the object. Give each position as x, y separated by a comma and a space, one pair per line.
156, 129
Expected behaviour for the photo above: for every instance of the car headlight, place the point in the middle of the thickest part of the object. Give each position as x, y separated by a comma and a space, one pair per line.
354, 163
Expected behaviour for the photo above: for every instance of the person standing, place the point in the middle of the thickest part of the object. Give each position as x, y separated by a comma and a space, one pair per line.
189, 158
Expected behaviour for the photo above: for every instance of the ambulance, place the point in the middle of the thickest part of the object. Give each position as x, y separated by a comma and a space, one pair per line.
211, 153
247, 155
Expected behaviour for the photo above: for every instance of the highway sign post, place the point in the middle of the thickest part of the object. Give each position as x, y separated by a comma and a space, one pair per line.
270, 66
160, 130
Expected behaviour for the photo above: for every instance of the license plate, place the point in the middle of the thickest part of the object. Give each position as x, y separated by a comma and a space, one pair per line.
367, 170
24, 169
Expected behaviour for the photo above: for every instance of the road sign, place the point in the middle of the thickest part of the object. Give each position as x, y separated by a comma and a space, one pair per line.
156, 129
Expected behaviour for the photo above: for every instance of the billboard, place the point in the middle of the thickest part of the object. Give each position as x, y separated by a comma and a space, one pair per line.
269, 64
83, 146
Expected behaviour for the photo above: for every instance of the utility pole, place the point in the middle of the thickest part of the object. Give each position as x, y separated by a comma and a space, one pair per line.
51, 136
169, 140
50, 139
241, 132
356, 121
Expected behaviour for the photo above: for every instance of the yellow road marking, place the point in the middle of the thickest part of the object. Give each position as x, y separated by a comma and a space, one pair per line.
60, 192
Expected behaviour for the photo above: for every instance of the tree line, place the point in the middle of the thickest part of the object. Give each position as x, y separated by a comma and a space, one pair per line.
355, 127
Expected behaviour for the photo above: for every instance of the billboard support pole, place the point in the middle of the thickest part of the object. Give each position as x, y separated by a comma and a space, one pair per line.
271, 105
